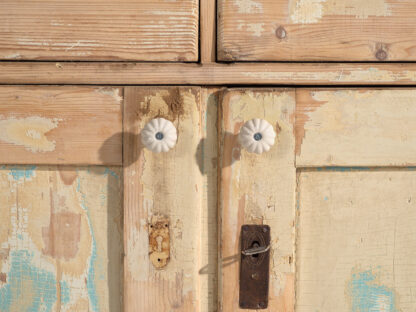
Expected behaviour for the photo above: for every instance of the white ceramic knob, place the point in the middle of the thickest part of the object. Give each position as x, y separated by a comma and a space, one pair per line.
257, 136
159, 135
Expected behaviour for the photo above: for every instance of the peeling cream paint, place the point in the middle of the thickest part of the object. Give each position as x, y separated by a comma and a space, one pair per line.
248, 6
113, 92
312, 11
339, 76
255, 28
29, 132
13, 56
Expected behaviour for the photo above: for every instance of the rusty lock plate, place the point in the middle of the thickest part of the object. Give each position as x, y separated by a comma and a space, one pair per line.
254, 266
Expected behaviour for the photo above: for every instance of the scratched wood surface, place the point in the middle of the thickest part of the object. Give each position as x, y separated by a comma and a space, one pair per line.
60, 238
213, 74
355, 242
178, 186
60, 125
257, 189
355, 127
316, 30
139, 30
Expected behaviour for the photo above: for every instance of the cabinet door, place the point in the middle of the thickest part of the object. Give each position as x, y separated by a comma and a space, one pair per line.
60, 199
355, 242
316, 30
105, 30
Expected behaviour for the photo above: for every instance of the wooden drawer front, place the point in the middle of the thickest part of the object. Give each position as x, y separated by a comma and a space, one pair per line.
60, 125
316, 30
142, 30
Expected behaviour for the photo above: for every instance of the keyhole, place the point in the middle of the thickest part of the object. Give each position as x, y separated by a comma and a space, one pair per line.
159, 240
255, 244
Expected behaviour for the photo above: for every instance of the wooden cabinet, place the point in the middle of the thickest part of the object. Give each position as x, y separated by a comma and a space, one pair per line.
316, 30
91, 219
99, 30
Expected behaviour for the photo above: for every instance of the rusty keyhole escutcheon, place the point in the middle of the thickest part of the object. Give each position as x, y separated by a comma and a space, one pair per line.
254, 266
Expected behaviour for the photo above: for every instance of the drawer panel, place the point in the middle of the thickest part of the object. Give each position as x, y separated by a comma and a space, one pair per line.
142, 30
355, 127
316, 30
60, 125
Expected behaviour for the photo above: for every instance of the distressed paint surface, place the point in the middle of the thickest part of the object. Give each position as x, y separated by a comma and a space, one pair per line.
312, 11
359, 127
47, 124
172, 185
144, 30
367, 295
330, 30
60, 239
355, 239
29, 132
257, 189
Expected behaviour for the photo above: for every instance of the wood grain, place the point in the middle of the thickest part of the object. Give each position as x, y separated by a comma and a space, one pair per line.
60, 238
145, 30
257, 189
356, 238
208, 36
316, 30
60, 125
178, 185
355, 127
111, 73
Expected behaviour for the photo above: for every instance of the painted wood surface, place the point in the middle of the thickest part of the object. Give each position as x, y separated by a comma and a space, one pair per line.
178, 186
316, 30
358, 127
355, 241
212, 74
60, 238
60, 125
257, 189
143, 30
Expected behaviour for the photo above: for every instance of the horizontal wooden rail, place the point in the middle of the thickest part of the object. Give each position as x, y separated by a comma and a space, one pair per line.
116, 73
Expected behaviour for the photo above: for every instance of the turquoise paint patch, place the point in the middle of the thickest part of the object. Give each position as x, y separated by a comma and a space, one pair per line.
65, 292
91, 289
111, 172
367, 296
22, 272
20, 172
326, 198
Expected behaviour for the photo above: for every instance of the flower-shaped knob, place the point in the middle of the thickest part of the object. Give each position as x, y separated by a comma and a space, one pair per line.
257, 136
159, 135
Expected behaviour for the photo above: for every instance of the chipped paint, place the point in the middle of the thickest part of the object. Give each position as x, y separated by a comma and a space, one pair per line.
113, 92
13, 56
371, 75
312, 11
255, 28
46, 263
248, 6
22, 172
366, 294
29, 132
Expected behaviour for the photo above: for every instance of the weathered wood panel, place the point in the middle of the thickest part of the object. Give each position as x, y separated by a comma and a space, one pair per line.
316, 30
355, 242
60, 239
178, 186
257, 189
360, 127
140, 30
213, 74
60, 125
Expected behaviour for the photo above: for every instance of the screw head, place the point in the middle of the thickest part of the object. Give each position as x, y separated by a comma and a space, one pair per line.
381, 55
281, 32
255, 276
